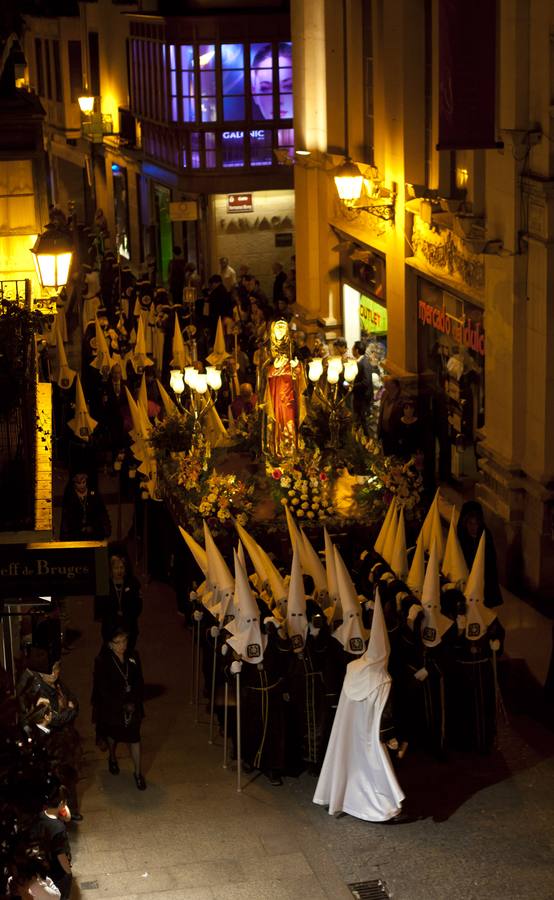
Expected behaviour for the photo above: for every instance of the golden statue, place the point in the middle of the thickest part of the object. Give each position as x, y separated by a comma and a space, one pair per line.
284, 385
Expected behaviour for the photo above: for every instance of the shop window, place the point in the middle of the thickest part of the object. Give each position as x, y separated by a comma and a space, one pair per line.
261, 80
188, 83
174, 111
285, 80
195, 150
233, 149
57, 71
75, 69
94, 62
232, 64
40, 66
208, 88
210, 153
285, 140
261, 151
48, 69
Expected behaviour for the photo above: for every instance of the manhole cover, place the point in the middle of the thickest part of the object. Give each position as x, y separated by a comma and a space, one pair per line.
88, 885
369, 890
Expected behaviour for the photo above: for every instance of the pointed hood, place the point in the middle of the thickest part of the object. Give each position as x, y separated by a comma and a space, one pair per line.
180, 355
390, 538
136, 432
66, 376
454, 567
248, 640
365, 675
297, 621
213, 428
102, 361
315, 568
294, 531
197, 551
434, 623
220, 581
436, 533
416, 574
139, 358
168, 404
351, 633
427, 526
240, 554
82, 424
219, 353
142, 398
382, 536
478, 616
265, 568
330, 570
399, 560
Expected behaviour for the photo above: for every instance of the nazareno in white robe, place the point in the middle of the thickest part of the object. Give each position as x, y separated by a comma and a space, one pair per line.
357, 776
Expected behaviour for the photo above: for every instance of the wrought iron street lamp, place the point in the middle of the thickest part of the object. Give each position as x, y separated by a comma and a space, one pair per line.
331, 399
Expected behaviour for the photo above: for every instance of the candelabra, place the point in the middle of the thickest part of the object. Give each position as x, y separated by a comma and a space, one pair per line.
333, 394
202, 387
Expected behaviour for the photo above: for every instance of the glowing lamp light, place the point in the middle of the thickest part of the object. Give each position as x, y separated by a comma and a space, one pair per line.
315, 369
348, 181
201, 383
334, 364
350, 370
176, 382
213, 377
190, 375
52, 255
332, 376
86, 104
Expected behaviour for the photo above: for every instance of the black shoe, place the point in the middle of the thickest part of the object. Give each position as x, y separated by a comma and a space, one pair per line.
140, 782
275, 779
113, 766
76, 817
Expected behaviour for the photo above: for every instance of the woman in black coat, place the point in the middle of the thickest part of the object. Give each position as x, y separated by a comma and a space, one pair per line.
117, 700
471, 526
123, 606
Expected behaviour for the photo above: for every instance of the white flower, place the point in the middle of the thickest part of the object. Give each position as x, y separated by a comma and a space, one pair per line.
299, 512
305, 505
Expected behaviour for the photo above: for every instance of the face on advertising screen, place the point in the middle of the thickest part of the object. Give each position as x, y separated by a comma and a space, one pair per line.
262, 76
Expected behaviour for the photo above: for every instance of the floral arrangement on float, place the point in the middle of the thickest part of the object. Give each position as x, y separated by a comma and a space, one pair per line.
303, 483
224, 497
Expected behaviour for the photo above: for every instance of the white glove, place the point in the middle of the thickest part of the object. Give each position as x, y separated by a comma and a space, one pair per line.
236, 667
461, 622
495, 645
224, 650
392, 744
214, 631
421, 674
197, 615
193, 595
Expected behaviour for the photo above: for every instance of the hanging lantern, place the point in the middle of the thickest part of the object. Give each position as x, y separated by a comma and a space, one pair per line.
348, 181
52, 254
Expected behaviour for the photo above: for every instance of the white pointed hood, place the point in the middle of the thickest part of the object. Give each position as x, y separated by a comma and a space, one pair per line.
478, 616
315, 568
180, 356
416, 574
425, 532
369, 672
219, 353
294, 531
82, 424
381, 537
197, 551
399, 559
454, 567
388, 546
436, 533
330, 570
142, 398
264, 566
297, 620
139, 358
351, 633
248, 640
66, 376
434, 623
102, 361
169, 406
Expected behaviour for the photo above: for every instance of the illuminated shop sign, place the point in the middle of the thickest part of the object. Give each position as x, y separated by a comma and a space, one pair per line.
373, 316
239, 203
467, 332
